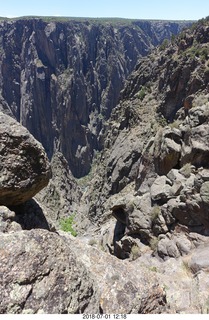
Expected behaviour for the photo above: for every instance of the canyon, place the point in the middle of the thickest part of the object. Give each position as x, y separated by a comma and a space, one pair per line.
61, 80
122, 111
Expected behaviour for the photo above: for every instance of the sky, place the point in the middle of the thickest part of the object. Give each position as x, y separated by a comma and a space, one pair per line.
132, 9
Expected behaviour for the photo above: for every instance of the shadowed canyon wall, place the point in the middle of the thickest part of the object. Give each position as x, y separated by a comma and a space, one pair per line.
61, 80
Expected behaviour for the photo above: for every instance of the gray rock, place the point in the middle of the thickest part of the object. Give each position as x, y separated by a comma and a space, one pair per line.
161, 189
204, 192
195, 147
7, 220
135, 214
139, 293
187, 213
159, 225
162, 247
183, 244
198, 115
201, 177
167, 248
24, 169
27, 216
167, 213
128, 247
167, 150
172, 249
174, 245
199, 259
121, 164
203, 174
42, 275
175, 175
176, 188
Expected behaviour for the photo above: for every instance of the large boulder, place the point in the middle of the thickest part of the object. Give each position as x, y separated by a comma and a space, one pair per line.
167, 149
160, 189
195, 146
199, 259
24, 167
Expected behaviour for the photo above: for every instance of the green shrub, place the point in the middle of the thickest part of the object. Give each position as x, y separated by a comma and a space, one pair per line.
135, 252
142, 93
156, 210
204, 54
207, 71
164, 45
186, 170
92, 242
175, 124
186, 268
173, 38
115, 277
66, 225
153, 269
154, 243
162, 121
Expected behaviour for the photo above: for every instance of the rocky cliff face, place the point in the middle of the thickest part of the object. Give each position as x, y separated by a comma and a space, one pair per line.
144, 205
61, 80
161, 91
149, 195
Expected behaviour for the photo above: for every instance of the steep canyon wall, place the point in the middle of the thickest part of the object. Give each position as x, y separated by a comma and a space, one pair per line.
61, 80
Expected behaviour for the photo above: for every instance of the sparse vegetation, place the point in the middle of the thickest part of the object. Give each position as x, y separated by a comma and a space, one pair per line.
156, 210
200, 100
164, 44
142, 93
186, 170
92, 242
153, 269
115, 277
173, 38
154, 243
135, 252
175, 124
198, 51
162, 121
186, 268
66, 225
84, 181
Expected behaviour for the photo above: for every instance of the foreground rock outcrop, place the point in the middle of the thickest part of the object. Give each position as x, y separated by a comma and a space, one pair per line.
44, 271
137, 293
50, 272
24, 168
42, 275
